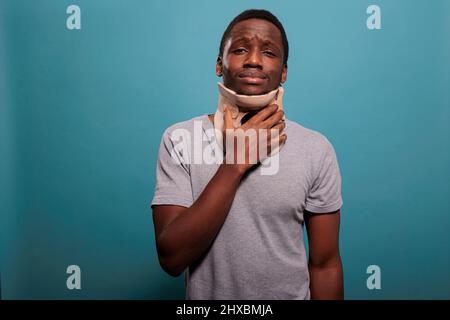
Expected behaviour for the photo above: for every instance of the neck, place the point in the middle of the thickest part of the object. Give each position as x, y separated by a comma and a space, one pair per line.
240, 105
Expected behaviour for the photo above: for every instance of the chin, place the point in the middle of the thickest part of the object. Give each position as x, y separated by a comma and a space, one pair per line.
251, 90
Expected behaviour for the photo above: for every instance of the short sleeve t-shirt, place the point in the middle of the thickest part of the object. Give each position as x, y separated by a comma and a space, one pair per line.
259, 251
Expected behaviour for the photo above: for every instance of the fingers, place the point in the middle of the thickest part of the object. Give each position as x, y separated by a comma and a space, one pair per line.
263, 114
275, 141
276, 131
279, 97
271, 146
280, 126
273, 119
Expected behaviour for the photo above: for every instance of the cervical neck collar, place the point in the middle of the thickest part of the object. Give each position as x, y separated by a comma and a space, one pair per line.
240, 105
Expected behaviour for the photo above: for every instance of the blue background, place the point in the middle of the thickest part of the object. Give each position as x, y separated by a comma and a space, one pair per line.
82, 113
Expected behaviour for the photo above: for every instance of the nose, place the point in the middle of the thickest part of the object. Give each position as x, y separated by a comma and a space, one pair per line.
253, 59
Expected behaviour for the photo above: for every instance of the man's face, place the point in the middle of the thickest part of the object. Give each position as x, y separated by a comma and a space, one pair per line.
252, 61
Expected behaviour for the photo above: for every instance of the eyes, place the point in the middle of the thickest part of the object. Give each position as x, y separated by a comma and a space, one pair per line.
240, 51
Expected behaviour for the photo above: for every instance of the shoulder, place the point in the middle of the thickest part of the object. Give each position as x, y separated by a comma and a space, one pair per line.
183, 129
185, 125
309, 139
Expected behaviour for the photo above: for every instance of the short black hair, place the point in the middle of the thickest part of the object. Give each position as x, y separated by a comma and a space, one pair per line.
256, 14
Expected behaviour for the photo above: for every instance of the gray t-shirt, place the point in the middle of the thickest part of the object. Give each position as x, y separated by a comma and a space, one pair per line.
259, 251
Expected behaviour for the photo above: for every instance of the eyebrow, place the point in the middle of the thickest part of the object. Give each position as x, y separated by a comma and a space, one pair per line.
267, 41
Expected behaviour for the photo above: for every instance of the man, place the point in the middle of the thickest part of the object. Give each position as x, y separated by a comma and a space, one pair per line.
236, 232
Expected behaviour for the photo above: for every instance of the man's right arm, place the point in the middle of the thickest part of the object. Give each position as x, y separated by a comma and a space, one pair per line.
183, 234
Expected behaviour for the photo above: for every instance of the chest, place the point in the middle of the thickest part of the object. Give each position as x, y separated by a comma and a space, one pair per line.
276, 189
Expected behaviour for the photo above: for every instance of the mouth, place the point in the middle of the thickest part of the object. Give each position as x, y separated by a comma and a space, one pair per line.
252, 77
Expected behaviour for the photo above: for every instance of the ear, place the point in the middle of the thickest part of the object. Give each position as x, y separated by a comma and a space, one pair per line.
219, 67
284, 73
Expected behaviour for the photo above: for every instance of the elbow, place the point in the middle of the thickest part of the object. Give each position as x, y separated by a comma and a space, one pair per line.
170, 267
325, 260
169, 257
330, 263
168, 260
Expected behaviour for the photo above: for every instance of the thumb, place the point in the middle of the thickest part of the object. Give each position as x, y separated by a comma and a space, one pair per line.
227, 118
279, 100
279, 97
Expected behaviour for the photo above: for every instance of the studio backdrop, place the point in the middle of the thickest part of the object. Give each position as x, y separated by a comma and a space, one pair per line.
88, 87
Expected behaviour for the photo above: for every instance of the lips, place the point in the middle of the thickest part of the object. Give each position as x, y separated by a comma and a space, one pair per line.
252, 76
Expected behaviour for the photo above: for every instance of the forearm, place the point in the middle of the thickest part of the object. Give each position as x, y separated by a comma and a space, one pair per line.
326, 281
189, 236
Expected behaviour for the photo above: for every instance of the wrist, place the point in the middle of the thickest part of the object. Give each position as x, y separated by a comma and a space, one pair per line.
235, 169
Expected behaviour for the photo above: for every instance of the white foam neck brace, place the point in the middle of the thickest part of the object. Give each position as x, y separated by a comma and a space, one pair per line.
240, 105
